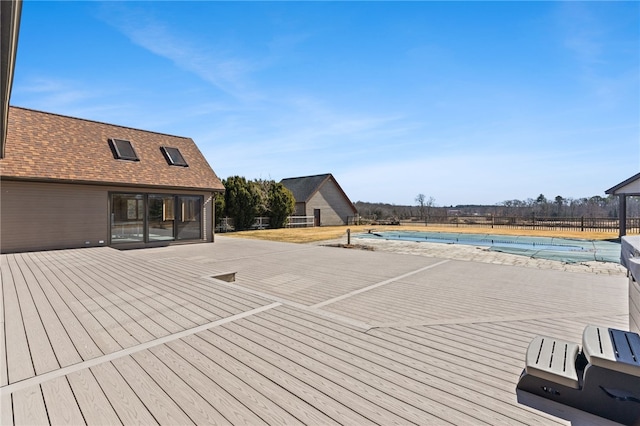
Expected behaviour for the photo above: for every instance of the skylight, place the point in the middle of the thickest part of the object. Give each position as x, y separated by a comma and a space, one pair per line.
173, 156
123, 150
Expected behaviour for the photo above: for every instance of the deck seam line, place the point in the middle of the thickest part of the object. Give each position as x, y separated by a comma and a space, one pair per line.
337, 317
379, 284
490, 320
37, 380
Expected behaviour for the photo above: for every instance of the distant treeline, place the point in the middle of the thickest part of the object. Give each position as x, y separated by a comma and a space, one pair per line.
596, 206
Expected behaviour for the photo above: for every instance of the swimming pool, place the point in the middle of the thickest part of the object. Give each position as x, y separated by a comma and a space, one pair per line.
563, 249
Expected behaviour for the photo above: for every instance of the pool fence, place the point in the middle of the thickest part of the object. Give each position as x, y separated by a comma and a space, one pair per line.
583, 224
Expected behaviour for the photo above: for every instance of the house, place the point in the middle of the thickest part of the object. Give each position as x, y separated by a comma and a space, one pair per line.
68, 182
320, 196
627, 188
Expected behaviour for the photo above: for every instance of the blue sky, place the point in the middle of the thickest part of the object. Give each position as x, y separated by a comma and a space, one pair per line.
466, 102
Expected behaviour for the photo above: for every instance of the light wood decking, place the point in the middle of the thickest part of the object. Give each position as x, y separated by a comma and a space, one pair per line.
306, 334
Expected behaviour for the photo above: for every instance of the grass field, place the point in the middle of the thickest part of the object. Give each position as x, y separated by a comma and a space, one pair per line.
308, 235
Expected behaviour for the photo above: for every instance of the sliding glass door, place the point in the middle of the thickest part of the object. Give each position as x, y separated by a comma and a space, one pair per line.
161, 217
189, 225
127, 218
155, 217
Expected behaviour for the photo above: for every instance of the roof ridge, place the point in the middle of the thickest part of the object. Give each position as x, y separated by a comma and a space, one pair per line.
97, 122
304, 177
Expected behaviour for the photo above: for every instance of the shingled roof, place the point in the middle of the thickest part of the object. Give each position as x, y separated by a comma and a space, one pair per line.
50, 147
303, 188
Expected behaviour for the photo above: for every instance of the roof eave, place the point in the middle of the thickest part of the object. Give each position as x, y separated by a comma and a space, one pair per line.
612, 190
119, 184
10, 20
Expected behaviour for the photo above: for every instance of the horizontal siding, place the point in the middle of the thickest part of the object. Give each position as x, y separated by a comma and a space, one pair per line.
40, 216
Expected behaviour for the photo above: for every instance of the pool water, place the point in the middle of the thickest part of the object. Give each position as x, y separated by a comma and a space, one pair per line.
563, 249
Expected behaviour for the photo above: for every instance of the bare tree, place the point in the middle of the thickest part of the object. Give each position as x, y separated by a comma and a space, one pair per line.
421, 200
430, 203
424, 206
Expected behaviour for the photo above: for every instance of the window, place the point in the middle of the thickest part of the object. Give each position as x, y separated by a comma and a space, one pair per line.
123, 150
173, 156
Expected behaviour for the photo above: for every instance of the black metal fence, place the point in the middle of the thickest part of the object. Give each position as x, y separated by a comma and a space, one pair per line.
582, 224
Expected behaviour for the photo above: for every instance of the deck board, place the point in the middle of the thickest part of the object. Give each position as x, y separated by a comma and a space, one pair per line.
19, 362
180, 292
438, 386
128, 320
125, 402
396, 391
304, 386
243, 347
158, 319
29, 408
207, 381
98, 308
251, 370
62, 407
433, 370
63, 348
6, 410
189, 315
164, 409
94, 405
199, 409
42, 353
89, 337
249, 394
4, 280
436, 353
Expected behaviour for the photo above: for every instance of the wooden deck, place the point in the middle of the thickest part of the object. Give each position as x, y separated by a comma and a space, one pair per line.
305, 335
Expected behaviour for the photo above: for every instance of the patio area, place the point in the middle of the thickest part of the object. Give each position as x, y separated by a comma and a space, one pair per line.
304, 335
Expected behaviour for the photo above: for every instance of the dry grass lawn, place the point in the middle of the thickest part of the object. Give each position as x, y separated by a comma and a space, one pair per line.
308, 235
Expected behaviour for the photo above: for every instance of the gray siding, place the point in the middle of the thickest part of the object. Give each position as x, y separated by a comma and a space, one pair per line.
634, 305
41, 216
334, 208
46, 216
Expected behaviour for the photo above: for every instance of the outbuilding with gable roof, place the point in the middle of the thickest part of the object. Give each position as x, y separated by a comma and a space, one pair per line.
322, 197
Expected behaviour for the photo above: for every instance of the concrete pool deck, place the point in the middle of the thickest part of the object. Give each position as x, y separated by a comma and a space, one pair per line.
479, 254
306, 334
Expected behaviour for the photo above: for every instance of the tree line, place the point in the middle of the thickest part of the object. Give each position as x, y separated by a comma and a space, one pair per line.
541, 206
245, 200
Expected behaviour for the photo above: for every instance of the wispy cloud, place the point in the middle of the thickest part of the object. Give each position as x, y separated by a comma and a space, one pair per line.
582, 31
75, 97
608, 67
304, 126
55, 92
213, 63
64, 96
